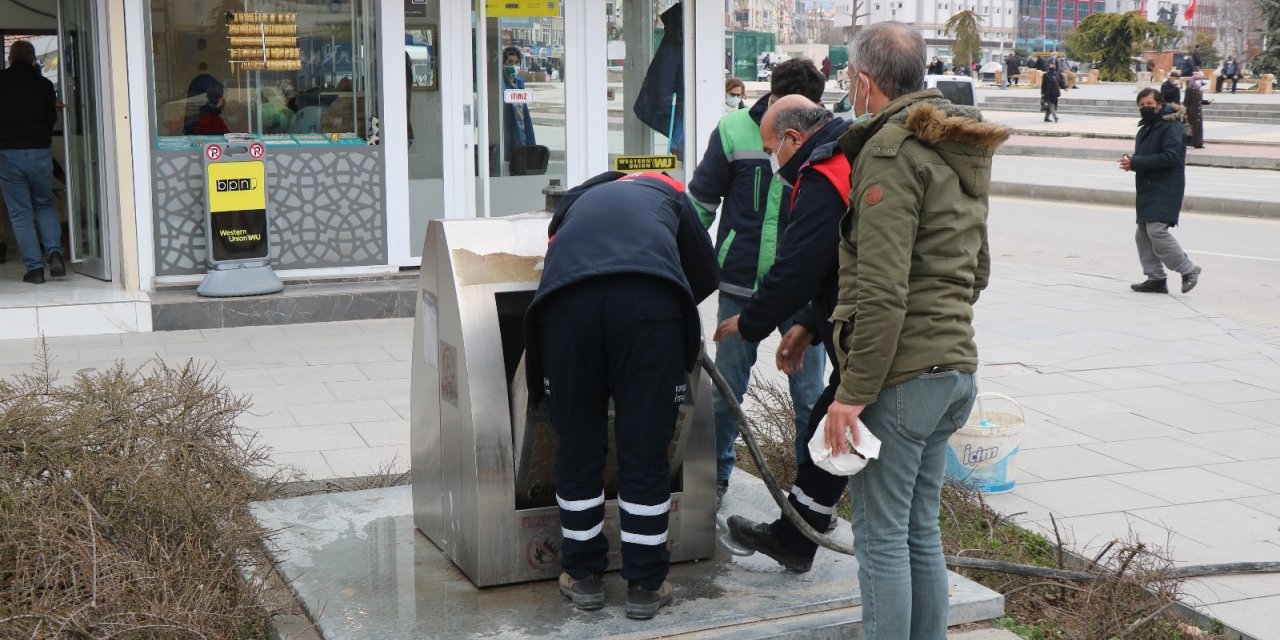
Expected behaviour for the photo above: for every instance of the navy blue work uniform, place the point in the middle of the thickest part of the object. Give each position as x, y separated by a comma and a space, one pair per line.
615, 316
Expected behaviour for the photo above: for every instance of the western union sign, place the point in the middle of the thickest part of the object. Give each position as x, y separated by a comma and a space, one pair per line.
629, 164
522, 8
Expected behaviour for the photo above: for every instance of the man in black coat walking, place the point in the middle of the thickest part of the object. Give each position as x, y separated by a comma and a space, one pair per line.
1171, 90
615, 317
1159, 162
1050, 90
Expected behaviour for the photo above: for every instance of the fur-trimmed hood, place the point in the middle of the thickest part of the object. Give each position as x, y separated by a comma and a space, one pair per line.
957, 133
1171, 113
937, 120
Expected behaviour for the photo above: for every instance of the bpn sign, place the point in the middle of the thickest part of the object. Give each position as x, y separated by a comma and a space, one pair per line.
237, 227
236, 184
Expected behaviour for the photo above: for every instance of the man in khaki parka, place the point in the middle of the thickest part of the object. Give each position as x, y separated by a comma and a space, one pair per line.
913, 258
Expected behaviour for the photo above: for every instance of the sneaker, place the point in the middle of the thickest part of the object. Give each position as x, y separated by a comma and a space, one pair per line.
34, 276
587, 594
722, 487
1151, 286
57, 267
643, 604
757, 536
1190, 280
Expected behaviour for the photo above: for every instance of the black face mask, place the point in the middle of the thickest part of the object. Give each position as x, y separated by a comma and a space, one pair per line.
1148, 113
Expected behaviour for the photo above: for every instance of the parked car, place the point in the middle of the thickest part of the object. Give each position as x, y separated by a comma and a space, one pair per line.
957, 89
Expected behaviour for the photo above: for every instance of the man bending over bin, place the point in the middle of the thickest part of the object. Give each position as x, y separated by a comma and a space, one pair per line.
615, 316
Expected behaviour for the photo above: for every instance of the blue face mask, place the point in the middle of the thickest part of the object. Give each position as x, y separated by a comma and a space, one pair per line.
862, 118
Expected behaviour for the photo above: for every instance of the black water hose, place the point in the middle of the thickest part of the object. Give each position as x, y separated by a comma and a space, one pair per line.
955, 562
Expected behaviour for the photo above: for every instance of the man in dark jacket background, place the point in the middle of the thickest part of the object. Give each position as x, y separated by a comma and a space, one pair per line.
28, 113
1159, 162
736, 176
627, 263
801, 283
1171, 89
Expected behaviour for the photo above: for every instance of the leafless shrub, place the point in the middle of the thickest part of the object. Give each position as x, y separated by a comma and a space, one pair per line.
124, 507
1130, 595
768, 405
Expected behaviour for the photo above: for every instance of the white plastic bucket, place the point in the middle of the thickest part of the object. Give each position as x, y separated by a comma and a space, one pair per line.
984, 453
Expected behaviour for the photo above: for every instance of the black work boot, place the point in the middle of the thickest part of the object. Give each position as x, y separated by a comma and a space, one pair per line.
1151, 286
757, 536
587, 593
643, 604
57, 267
722, 487
34, 276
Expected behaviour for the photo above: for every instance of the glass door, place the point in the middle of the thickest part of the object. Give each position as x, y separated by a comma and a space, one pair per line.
520, 97
78, 92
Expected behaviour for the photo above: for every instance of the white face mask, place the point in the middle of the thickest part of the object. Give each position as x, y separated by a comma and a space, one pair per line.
853, 99
774, 165
732, 100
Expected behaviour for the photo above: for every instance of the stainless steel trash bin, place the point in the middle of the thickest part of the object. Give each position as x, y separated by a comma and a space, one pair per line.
482, 489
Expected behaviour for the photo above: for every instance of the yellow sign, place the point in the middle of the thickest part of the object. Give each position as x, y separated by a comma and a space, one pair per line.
522, 8
237, 186
644, 163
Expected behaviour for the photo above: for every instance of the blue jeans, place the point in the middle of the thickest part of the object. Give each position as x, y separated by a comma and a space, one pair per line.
895, 506
26, 177
734, 358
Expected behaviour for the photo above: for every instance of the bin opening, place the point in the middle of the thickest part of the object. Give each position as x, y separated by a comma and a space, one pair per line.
512, 306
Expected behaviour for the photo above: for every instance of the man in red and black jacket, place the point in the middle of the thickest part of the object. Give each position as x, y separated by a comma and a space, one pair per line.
627, 263
802, 285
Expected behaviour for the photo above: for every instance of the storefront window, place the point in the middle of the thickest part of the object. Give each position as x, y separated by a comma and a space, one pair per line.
291, 72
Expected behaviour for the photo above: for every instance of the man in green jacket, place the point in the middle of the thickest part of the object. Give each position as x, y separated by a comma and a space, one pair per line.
913, 258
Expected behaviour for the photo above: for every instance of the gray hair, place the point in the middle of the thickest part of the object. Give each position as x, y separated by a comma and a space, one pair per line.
890, 54
803, 119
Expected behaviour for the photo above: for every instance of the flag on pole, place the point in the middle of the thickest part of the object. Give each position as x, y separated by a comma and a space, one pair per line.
1191, 11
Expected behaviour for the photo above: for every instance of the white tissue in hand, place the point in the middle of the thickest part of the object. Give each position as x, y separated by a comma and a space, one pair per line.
845, 464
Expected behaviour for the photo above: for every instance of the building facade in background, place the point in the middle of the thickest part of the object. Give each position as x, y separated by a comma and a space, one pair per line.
999, 22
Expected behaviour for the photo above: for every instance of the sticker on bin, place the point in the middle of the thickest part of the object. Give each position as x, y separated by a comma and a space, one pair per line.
517, 96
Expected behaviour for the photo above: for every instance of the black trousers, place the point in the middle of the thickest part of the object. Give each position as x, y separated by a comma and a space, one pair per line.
617, 337
816, 492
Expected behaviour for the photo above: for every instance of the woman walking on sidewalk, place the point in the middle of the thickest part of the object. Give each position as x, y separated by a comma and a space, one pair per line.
1050, 89
1195, 115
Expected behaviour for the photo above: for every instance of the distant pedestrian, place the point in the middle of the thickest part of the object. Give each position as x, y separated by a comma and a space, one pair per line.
1012, 66
1195, 116
1050, 89
734, 93
1230, 71
1159, 162
1171, 89
826, 67
28, 113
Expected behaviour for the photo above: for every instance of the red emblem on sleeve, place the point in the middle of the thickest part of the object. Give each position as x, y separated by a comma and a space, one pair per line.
874, 194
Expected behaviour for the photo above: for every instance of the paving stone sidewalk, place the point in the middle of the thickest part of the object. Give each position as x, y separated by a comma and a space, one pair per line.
1145, 413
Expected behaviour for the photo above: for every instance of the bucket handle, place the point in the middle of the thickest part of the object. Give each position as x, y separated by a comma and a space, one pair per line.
982, 413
